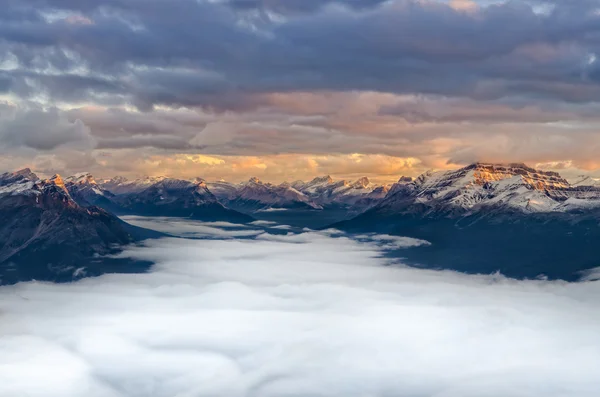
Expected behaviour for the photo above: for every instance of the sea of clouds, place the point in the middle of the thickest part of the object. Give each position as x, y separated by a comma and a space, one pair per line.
297, 315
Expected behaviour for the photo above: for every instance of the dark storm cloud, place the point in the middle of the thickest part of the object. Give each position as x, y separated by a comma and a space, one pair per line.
42, 130
297, 6
5, 82
168, 142
444, 110
189, 53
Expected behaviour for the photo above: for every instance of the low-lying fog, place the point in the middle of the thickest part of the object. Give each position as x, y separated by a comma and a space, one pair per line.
258, 311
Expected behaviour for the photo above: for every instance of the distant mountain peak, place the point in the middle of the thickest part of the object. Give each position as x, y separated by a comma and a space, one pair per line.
513, 186
81, 178
22, 176
254, 180
322, 179
121, 185
117, 179
27, 173
482, 173
57, 180
361, 183
201, 182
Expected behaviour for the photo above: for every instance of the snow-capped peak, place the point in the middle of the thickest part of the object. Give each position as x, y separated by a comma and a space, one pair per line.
21, 175
19, 182
26, 173
116, 180
120, 185
515, 186
81, 178
361, 183
479, 174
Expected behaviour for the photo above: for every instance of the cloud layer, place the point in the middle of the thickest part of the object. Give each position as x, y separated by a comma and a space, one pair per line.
445, 82
311, 314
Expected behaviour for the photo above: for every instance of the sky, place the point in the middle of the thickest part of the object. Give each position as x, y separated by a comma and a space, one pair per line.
292, 89
290, 315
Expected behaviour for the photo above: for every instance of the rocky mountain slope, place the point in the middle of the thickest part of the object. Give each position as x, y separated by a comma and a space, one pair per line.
121, 185
487, 217
358, 195
484, 187
84, 189
178, 198
256, 195
322, 193
46, 235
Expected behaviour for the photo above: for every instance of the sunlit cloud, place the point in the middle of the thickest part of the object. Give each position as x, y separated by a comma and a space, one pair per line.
310, 80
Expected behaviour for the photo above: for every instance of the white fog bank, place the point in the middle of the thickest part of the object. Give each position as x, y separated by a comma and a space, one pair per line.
297, 315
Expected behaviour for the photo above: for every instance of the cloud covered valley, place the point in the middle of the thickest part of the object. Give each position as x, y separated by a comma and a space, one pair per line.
270, 312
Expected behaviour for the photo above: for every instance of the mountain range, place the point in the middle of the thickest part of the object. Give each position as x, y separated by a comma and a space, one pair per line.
482, 218
322, 193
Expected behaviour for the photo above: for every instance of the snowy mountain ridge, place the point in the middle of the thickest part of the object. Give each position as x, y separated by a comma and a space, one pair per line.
121, 185
319, 193
255, 195
512, 186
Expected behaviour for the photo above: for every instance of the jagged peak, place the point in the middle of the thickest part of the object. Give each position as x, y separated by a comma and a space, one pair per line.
81, 178
25, 173
406, 179
200, 182
254, 180
361, 183
117, 179
322, 179
57, 180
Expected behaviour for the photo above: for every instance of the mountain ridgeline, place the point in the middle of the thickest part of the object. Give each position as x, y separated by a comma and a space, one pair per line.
46, 235
482, 218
